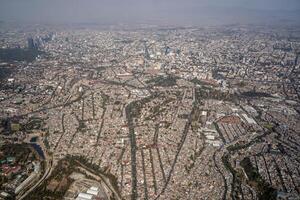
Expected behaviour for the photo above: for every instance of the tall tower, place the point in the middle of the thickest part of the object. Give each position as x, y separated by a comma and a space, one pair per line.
31, 44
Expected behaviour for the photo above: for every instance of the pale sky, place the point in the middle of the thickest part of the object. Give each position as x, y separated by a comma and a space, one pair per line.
181, 12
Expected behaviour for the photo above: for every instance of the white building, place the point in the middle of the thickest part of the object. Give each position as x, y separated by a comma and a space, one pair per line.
84, 196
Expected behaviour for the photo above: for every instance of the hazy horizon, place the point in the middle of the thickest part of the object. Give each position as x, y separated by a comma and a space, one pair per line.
188, 12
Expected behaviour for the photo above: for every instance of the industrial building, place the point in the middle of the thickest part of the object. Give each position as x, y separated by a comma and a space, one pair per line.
92, 193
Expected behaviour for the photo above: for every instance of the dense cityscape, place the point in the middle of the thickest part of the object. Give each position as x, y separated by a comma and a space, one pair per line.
150, 113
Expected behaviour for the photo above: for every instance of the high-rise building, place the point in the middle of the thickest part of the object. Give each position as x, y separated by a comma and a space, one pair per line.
31, 44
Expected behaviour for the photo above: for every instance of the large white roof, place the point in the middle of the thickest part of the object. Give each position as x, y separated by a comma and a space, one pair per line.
93, 192
94, 188
85, 196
